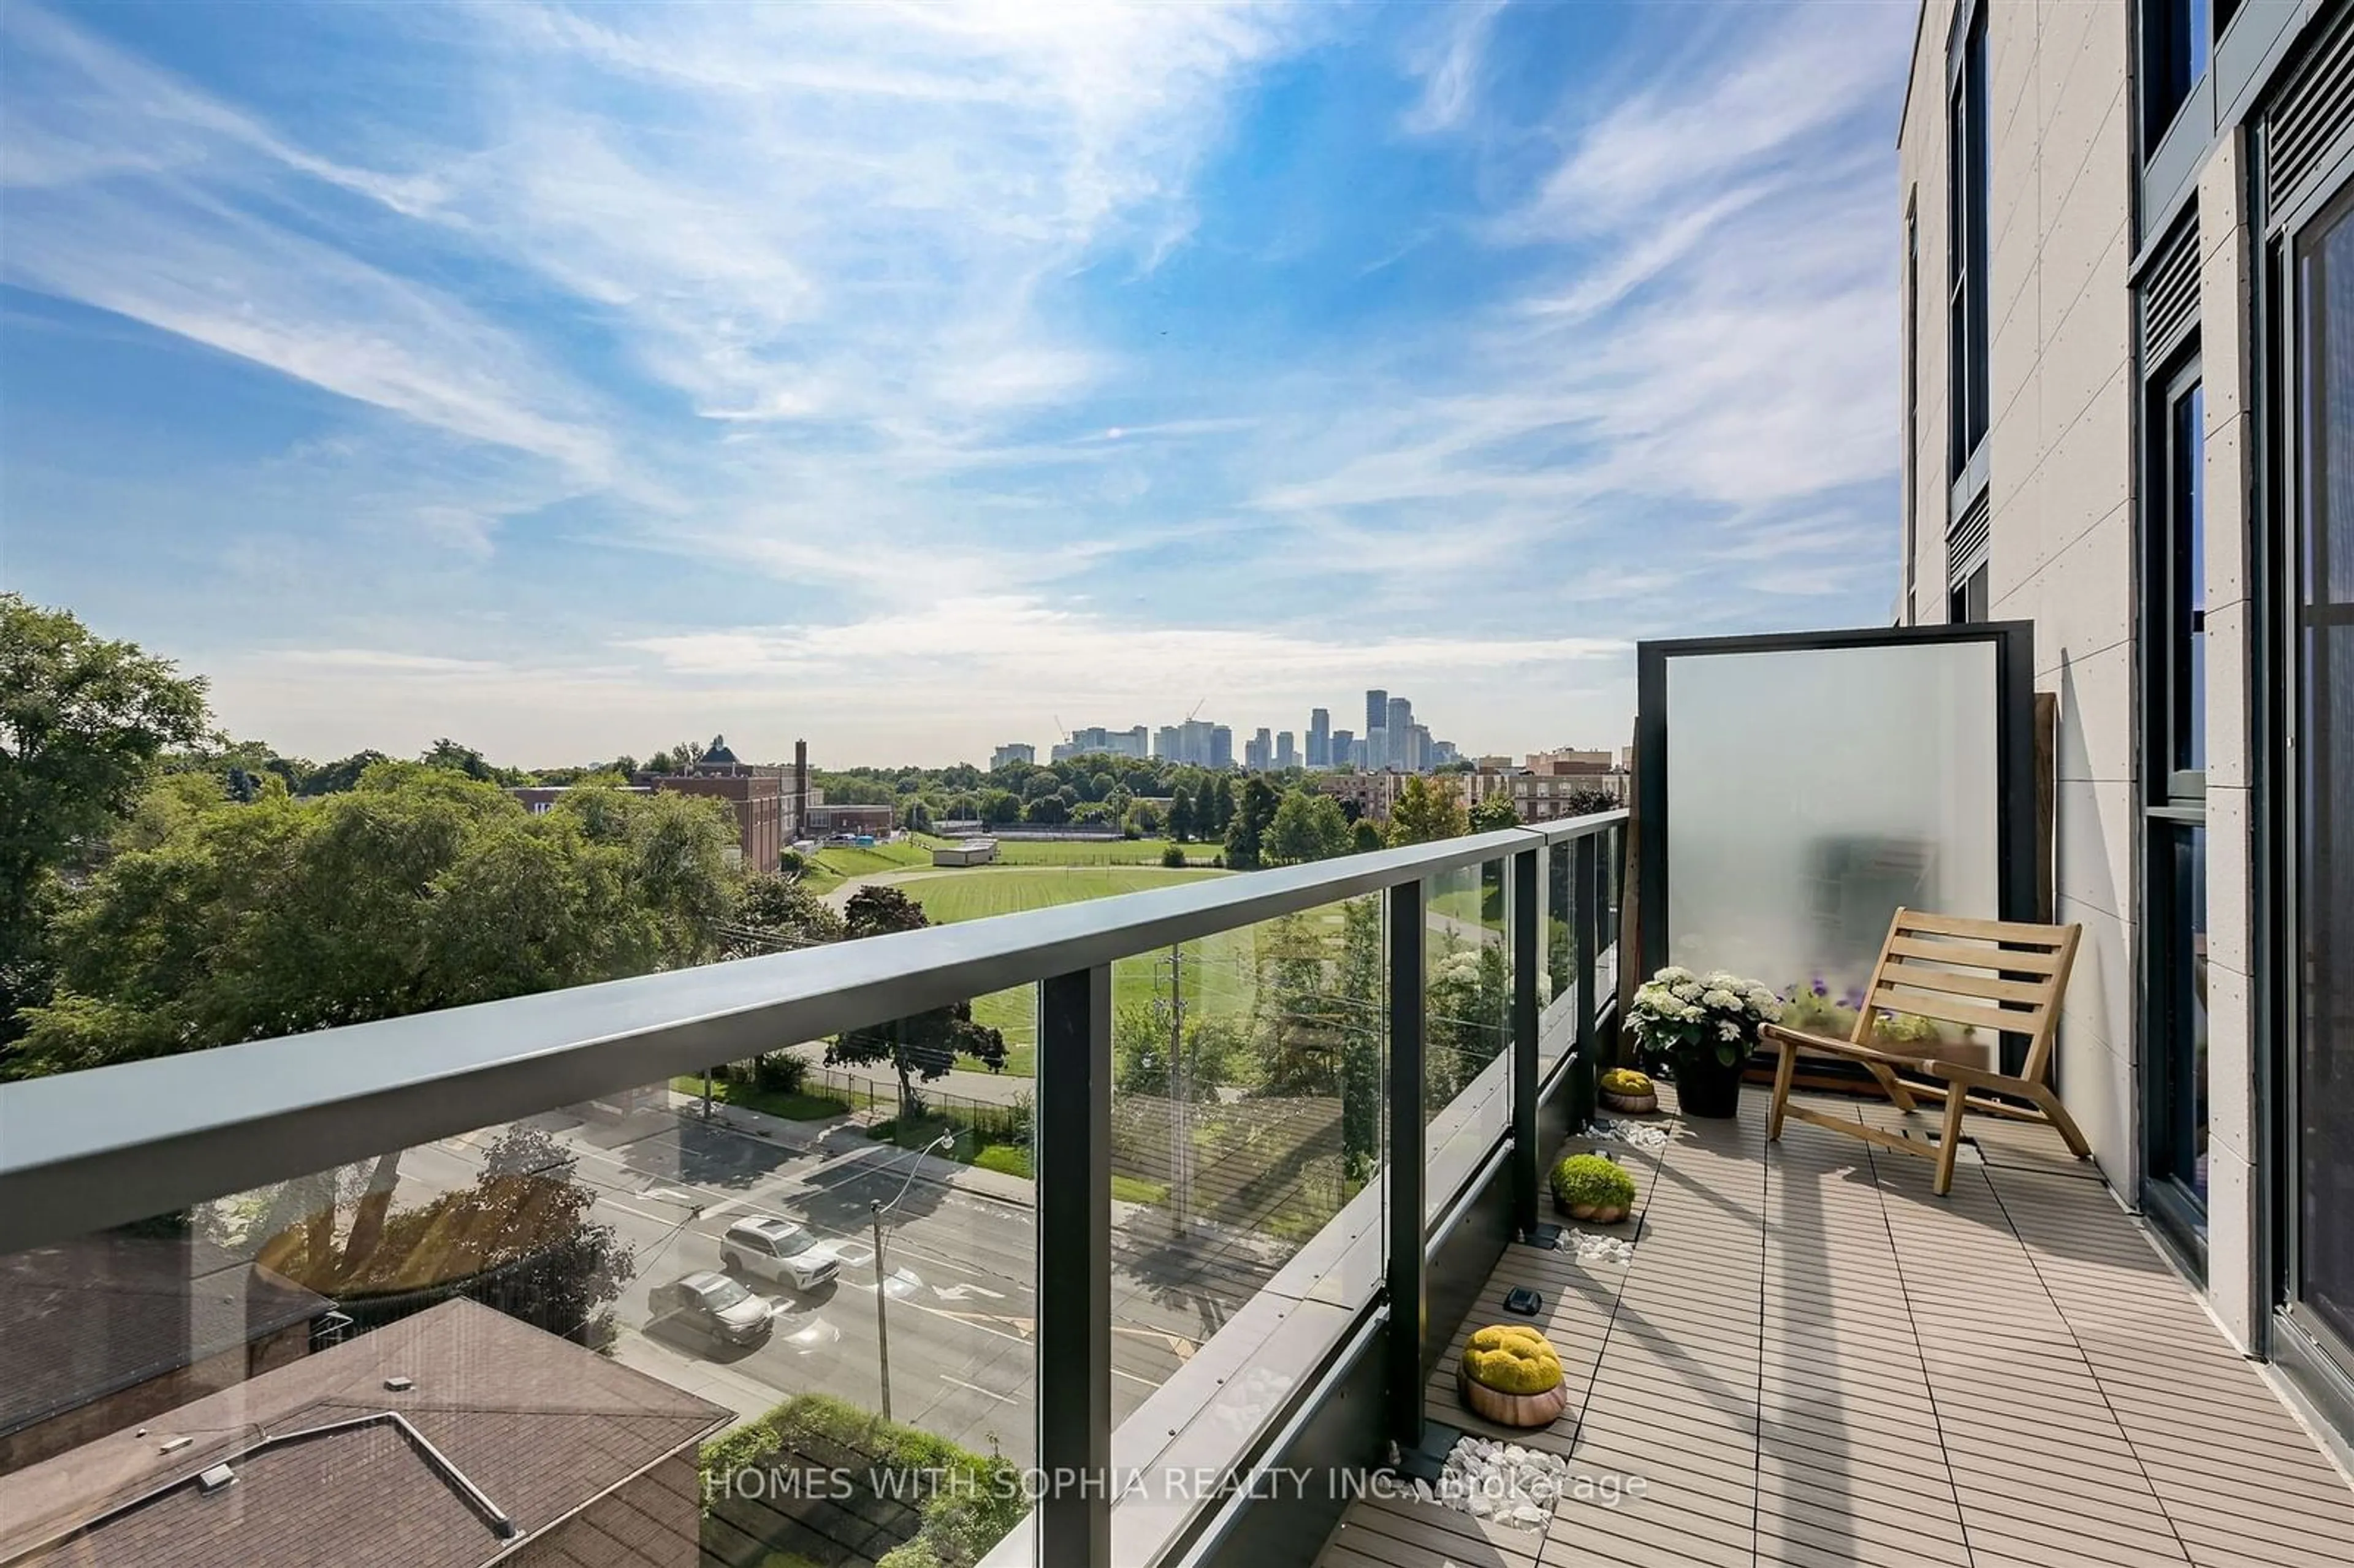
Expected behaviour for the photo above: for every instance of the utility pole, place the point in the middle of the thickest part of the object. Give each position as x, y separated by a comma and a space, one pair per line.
882, 1272
1181, 1142
882, 1314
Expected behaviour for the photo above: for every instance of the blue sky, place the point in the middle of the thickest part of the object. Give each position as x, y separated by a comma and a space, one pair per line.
572, 380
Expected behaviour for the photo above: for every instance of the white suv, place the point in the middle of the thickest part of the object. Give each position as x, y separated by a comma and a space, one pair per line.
778, 1250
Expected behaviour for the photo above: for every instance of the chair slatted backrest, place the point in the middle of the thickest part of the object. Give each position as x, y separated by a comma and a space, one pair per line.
1995, 976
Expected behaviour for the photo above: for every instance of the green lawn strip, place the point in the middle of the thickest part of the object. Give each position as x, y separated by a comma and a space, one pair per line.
770, 1102
1013, 1160
1097, 851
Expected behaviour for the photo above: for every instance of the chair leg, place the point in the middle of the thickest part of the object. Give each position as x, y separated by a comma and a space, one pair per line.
1782, 1071
1893, 1086
1949, 1143
2049, 1104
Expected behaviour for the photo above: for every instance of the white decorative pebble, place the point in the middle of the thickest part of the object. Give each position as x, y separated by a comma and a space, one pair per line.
1591, 1247
1634, 1134
1507, 1483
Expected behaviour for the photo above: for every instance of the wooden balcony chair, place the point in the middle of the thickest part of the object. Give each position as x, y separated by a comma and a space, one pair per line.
1997, 977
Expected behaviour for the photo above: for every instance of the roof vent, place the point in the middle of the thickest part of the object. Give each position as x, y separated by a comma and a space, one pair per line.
400, 1383
217, 1478
174, 1445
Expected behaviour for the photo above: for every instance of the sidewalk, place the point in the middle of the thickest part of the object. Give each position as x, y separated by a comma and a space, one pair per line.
843, 1140
748, 1397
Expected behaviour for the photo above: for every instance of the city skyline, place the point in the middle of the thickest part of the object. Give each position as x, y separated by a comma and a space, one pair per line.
607, 374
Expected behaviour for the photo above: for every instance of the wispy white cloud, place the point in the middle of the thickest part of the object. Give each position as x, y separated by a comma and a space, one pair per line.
814, 301
1448, 62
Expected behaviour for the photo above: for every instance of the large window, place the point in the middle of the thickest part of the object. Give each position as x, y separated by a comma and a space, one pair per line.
2321, 776
2175, 37
2174, 615
1965, 602
1911, 611
1966, 305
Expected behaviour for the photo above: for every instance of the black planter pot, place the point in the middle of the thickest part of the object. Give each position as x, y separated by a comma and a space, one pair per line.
1706, 1087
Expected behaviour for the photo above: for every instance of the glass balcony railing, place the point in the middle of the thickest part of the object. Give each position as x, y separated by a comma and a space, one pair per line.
1022, 1239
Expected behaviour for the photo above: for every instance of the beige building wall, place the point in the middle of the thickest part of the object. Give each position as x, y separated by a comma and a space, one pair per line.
2062, 487
2060, 477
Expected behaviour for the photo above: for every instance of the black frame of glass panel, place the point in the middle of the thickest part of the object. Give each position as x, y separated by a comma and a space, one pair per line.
2172, 800
2320, 1362
2014, 673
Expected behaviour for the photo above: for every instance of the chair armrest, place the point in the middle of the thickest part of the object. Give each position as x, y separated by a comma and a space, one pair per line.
1973, 1077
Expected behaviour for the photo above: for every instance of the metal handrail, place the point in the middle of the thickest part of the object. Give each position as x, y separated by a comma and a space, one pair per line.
85, 1150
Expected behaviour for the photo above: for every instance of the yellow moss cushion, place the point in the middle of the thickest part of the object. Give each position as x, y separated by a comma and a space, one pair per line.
1512, 1360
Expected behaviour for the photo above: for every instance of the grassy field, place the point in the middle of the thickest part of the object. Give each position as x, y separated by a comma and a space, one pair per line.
834, 865
978, 892
1106, 852
1219, 972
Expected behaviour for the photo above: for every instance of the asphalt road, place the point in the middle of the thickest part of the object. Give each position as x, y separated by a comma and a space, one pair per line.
961, 1296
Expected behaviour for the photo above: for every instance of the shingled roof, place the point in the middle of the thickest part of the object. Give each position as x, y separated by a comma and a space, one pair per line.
92, 1316
500, 1421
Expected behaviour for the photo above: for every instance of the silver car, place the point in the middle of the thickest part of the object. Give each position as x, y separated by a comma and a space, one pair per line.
715, 1307
778, 1250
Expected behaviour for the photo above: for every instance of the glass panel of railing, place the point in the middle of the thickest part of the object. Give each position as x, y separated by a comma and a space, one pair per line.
543, 1329
1557, 1023
1466, 1012
1609, 848
1247, 1116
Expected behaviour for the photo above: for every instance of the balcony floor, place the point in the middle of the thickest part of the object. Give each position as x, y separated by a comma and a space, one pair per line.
1812, 1361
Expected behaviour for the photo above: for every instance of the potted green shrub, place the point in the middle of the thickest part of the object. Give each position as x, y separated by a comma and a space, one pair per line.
1625, 1089
1593, 1187
1701, 1030
1510, 1374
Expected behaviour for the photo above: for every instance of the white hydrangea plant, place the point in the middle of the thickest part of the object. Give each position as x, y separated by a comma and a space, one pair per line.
1678, 1014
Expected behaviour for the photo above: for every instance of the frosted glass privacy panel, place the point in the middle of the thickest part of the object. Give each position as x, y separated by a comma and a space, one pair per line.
1810, 793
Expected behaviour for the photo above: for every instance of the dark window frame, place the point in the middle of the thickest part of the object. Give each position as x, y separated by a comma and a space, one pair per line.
2177, 47
2173, 843
1969, 203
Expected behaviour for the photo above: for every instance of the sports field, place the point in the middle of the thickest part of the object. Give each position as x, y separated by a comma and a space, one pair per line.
1219, 973
831, 865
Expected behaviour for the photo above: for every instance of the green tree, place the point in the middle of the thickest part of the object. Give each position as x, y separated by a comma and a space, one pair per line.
1047, 810
999, 806
334, 778
924, 1044
420, 889
1301, 1013
1467, 1002
781, 909
448, 754
82, 721
1362, 990
1307, 826
1587, 799
1495, 811
1207, 1056
1222, 807
1364, 834
1247, 829
1181, 814
1427, 810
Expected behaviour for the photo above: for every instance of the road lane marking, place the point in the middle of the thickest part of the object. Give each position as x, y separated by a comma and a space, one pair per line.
985, 1392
